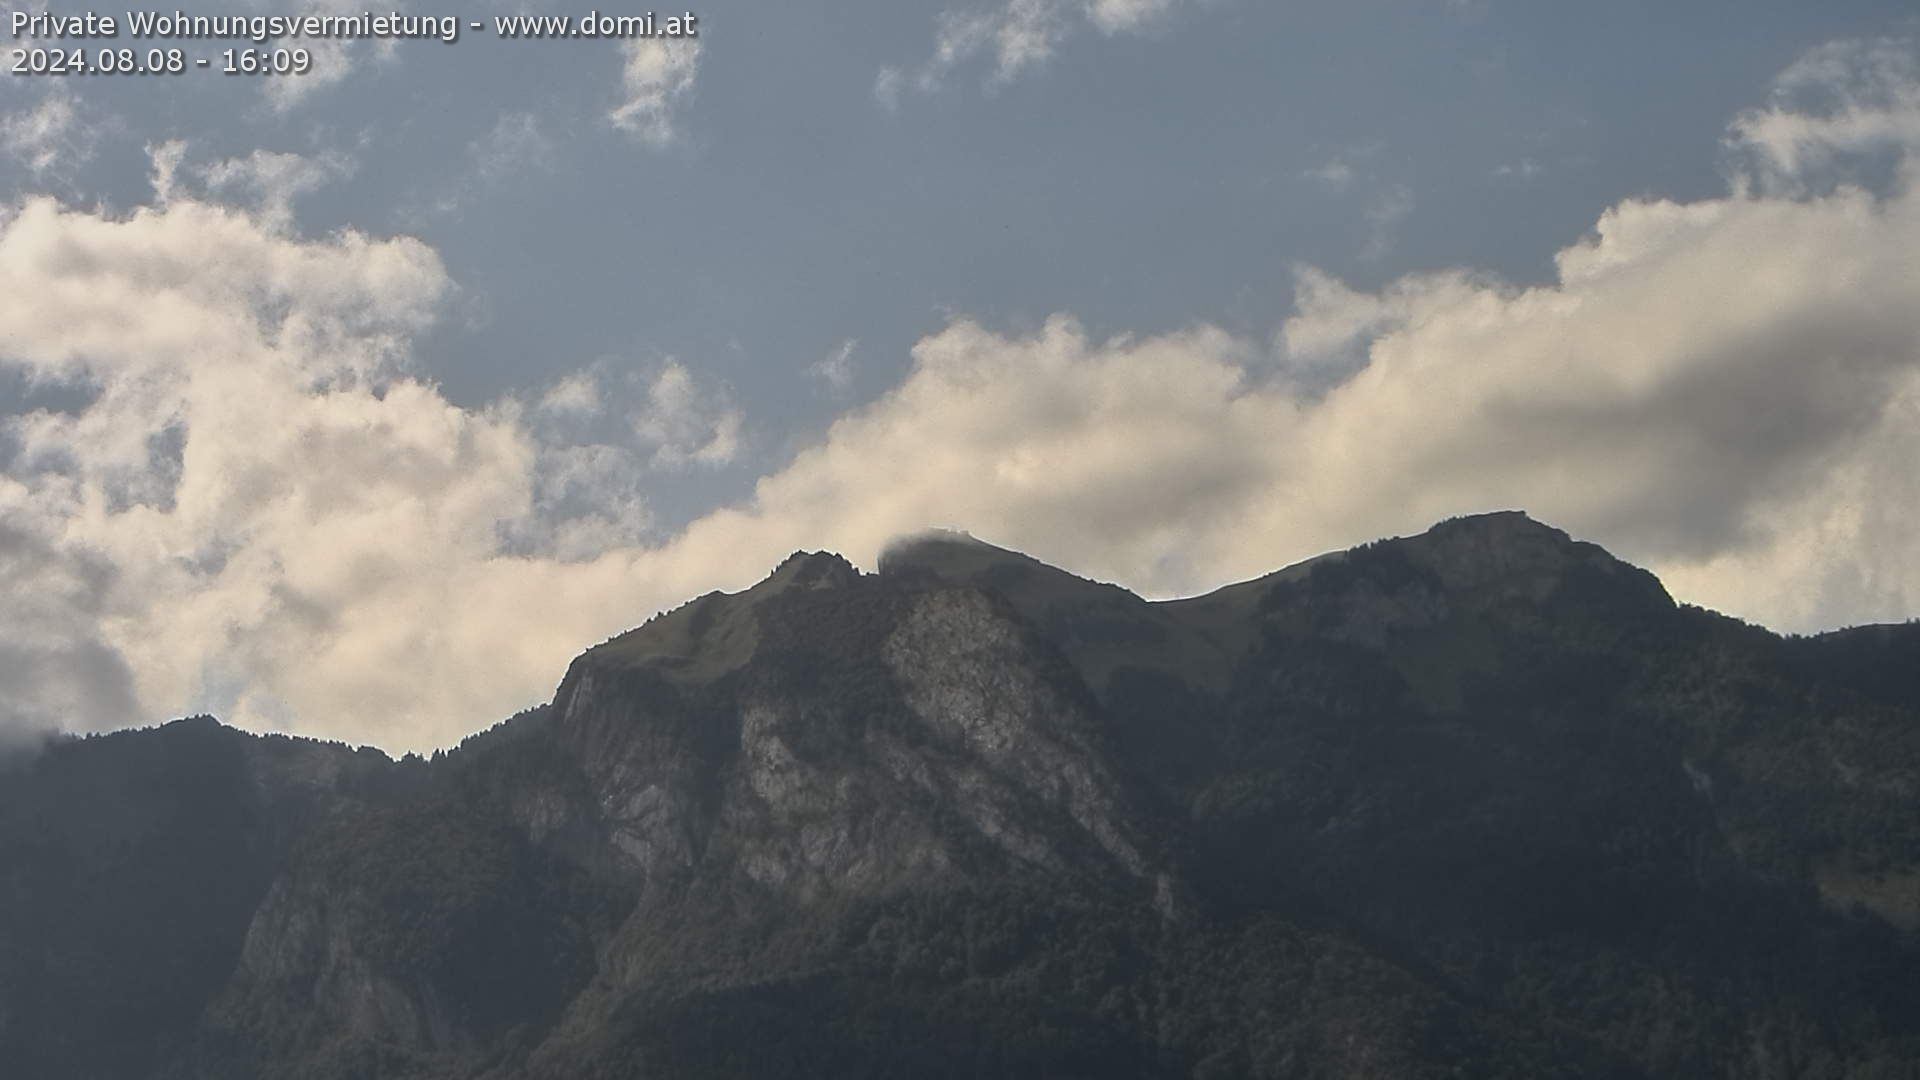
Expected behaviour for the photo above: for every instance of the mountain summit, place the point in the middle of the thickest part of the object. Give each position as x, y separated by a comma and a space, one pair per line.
1483, 801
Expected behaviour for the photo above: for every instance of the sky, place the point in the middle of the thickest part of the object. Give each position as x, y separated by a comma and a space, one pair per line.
355, 403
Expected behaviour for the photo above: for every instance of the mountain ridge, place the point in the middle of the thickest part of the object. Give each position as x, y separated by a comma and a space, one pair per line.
1484, 799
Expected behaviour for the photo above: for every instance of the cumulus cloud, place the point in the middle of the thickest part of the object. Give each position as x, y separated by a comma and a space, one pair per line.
656, 79
589, 498
272, 180
253, 508
668, 416
266, 181
54, 663
686, 424
50, 138
1331, 333
331, 61
1021, 35
164, 160
576, 394
1013, 38
257, 510
1724, 389
1841, 103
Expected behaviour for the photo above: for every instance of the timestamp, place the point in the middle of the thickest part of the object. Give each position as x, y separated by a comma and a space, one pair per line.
265, 62
97, 61
123, 61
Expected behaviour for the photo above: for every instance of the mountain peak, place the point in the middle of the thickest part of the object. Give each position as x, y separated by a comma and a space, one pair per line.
1498, 523
1509, 553
719, 632
946, 552
810, 570
1501, 528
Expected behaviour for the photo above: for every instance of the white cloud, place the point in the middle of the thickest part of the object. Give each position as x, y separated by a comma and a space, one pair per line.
1026, 34
656, 79
50, 138
269, 180
256, 510
332, 60
259, 511
1526, 169
1728, 390
1335, 175
576, 394
886, 87
53, 661
1841, 101
686, 424
165, 160
515, 142
958, 36
1015, 37
836, 368
589, 499
1113, 16
1333, 327
266, 181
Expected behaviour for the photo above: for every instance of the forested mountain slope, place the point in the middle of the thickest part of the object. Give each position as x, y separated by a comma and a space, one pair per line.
1480, 802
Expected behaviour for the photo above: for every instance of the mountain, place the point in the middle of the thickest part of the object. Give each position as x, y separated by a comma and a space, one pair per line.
1479, 802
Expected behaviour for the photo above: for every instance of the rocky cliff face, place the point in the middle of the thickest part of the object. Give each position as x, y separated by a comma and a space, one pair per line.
1481, 801
858, 738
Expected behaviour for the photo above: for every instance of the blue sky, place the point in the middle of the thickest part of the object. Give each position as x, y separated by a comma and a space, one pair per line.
1167, 291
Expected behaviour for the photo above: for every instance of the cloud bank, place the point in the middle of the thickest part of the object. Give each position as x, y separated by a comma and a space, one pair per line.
242, 500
